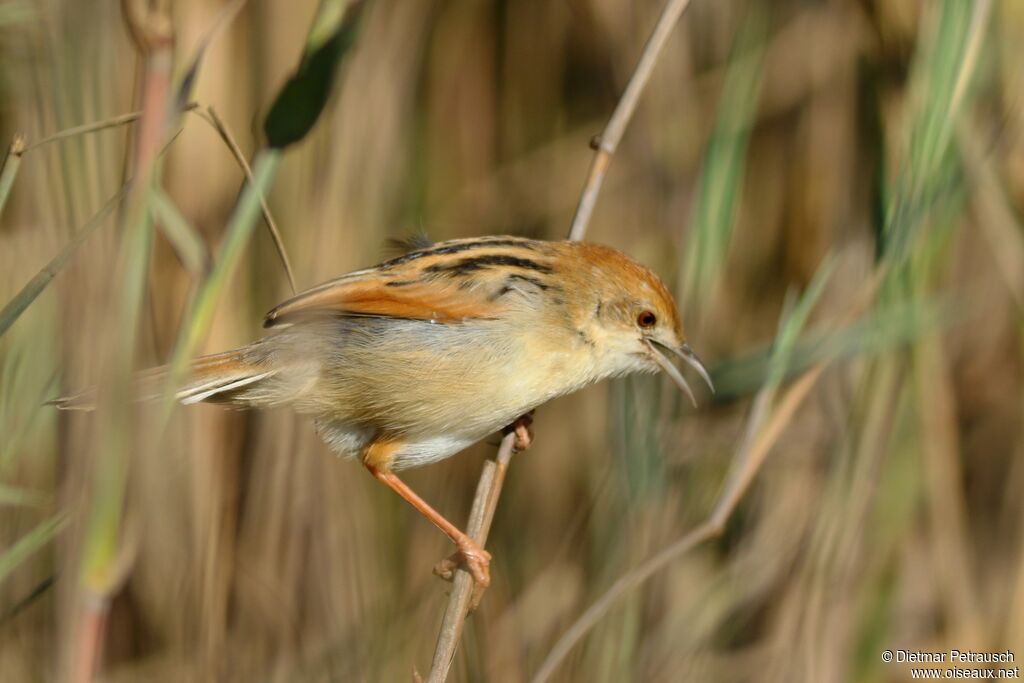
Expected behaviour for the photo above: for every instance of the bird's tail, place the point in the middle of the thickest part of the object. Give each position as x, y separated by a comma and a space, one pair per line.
238, 377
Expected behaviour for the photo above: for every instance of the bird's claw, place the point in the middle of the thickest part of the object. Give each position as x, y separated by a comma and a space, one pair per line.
524, 435
469, 556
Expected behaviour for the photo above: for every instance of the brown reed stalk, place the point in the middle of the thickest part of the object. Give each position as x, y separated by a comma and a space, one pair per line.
492, 478
104, 556
606, 144
212, 118
488, 489
95, 126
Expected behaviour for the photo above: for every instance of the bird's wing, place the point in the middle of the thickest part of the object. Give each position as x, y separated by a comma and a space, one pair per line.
432, 300
445, 283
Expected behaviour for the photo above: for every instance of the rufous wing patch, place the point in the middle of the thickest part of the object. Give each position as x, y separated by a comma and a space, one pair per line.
432, 300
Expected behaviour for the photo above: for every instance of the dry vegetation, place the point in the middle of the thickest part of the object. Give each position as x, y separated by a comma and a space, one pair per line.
881, 138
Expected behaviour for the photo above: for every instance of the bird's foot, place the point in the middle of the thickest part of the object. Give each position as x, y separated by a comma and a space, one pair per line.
524, 434
469, 556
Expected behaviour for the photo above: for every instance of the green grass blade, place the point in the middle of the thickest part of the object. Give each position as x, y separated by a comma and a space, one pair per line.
28, 544
12, 163
23, 299
299, 103
942, 72
200, 314
186, 81
721, 173
13, 12
793, 324
886, 328
182, 235
100, 547
13, 496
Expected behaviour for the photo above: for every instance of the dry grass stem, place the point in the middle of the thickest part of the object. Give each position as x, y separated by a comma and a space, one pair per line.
9, 171
211, 117
996, 218
745, 468
975, 36
114, 122
34, 287
19, 146
104, 555
463, 597
608, 142
488, 492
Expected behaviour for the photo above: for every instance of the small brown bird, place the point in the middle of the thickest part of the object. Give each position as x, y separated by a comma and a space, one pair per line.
415, 359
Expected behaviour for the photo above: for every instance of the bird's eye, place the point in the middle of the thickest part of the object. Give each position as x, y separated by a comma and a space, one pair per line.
646, 319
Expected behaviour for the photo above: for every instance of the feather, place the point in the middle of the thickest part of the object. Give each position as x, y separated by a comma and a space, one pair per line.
447, 283
429, 300
218, 377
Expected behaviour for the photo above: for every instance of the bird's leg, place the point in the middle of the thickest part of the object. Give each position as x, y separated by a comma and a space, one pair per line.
468, 553
521, 428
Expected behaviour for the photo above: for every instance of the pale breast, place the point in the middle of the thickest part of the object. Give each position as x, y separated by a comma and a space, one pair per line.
436, 387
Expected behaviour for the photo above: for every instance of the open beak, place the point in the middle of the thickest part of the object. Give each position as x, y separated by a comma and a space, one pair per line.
687, 354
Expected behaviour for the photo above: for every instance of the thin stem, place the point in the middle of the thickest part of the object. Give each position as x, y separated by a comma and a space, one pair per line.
488, 490
746, 466
123, 119
201, 309
34, 287
104, 556
489, 486
211, 117
492, 478
608, 142
10, 168
92, 625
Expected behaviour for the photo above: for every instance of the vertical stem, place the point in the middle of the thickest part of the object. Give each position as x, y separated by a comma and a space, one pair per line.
104, 560
493, 476
10, 169
480, 517
200, 314
608, 142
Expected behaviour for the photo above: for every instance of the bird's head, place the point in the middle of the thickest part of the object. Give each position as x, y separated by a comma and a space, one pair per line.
632, 318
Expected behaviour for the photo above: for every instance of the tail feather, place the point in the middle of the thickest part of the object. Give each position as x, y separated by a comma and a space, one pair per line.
219, 388
228, 377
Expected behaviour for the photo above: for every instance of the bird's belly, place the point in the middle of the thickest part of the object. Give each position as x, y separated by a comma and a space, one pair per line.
428, 450
423, 432
434, 389
414, 377
350, 440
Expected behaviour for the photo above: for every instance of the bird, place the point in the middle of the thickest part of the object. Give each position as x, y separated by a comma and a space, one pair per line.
412, 360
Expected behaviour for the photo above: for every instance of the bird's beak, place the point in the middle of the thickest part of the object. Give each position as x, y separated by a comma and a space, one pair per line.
687, 354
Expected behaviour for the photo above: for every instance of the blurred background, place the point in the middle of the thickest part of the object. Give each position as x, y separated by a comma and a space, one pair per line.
830, 184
